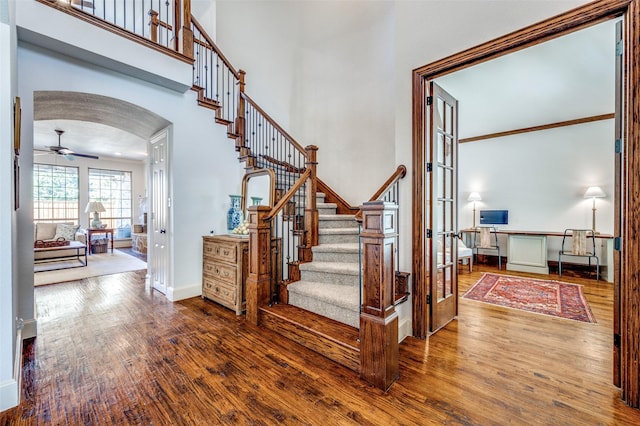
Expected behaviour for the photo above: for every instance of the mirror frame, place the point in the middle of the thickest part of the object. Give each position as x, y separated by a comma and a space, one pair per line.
256, 173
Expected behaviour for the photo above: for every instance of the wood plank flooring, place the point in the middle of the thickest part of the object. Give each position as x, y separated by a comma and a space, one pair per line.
110, 352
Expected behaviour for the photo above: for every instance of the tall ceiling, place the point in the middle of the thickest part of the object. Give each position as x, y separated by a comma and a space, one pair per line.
566, 78
562, 79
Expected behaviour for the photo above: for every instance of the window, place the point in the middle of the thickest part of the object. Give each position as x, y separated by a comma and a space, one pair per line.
55, 193
113, 189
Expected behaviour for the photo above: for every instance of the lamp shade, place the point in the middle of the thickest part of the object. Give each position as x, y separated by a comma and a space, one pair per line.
94, 206
594, 192
474, 196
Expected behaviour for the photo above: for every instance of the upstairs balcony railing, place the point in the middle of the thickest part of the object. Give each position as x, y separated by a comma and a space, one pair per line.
158, 21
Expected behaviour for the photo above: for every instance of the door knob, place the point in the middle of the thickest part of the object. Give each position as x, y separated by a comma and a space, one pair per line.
163, 231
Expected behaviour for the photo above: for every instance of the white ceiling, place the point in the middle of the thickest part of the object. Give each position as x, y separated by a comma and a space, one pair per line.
87, 137
562, 79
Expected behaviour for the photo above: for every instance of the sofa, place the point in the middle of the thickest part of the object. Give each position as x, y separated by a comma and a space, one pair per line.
48, 231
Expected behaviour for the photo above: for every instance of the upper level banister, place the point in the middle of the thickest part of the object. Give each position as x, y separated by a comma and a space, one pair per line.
214, 47
286, 197
271, 121
400, 173
136, 33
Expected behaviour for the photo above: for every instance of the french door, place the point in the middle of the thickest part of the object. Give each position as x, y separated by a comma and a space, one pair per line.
441, 178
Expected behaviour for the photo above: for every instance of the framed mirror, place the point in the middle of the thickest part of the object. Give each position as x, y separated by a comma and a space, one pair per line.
258, 188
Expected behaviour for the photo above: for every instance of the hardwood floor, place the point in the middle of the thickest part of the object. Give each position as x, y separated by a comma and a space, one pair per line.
110, 352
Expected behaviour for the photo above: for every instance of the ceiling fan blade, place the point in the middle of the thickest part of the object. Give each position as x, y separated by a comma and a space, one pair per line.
95, 157
69, 157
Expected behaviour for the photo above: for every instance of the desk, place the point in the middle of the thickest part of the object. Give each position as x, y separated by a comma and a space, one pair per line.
527, 251
108, 232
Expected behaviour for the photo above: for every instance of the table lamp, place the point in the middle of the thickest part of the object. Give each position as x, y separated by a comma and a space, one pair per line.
474, 196
96, 207
594, 192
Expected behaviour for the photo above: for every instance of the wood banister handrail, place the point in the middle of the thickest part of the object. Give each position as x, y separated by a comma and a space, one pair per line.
215, 47
283, 201
400, 173
274, 124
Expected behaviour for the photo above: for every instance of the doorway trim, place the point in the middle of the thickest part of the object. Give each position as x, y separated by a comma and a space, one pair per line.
628, 291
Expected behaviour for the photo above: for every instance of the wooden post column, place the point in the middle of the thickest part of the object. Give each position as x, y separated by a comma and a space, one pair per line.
311, 211
239, 129
187, 32
259, 274
379, 350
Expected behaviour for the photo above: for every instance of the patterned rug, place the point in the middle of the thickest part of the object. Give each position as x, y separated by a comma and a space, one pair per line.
553, 298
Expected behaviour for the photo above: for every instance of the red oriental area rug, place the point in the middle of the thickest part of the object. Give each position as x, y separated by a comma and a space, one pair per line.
529, 294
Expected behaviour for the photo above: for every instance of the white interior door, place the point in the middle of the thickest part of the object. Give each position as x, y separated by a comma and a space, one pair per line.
158, 224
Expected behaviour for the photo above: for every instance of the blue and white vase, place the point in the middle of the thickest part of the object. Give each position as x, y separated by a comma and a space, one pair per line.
234, 215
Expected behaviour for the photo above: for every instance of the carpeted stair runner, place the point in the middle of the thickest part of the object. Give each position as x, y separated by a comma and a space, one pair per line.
330, 284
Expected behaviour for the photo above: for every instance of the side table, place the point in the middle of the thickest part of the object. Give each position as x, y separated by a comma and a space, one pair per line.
108, 232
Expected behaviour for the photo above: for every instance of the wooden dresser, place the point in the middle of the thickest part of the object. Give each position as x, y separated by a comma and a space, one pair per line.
225, 264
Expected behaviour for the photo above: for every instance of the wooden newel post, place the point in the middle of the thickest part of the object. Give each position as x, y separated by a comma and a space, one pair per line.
311, 211
240, 116
154, 25
187, 32
379, 350
259, 274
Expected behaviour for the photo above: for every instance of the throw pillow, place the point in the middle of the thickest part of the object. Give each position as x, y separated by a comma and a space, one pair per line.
68, 232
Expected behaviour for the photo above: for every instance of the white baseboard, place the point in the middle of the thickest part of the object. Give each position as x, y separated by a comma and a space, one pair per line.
10, 389
175, 294
404, 330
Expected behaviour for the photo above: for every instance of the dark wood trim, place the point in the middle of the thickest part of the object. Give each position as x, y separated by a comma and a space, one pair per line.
539, 128
311, 210
214, 47
629, 194
581, 17
94, 20
332, 196
271, 121
630, 217
400, 173
258, 286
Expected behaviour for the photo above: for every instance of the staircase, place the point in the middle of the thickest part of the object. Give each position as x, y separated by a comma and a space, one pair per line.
330, 284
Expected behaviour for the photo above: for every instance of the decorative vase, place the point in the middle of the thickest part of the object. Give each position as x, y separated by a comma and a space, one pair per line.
234, 215
256, 200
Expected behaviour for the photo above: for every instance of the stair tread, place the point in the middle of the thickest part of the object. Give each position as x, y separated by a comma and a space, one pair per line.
338, 231
326, 205
337, 248
336, 216
347, 268
347, 297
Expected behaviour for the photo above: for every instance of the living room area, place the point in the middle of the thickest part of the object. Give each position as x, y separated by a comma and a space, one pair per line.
90, 200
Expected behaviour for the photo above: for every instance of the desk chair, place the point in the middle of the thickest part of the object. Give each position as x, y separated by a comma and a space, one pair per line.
486, 238
579, 243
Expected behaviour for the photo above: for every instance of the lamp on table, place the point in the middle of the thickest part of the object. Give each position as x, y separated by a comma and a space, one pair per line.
594, 192
474, 196
96, 207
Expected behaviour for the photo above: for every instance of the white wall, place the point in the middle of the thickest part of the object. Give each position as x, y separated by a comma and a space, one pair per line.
9, 392
322, 70
138, 179
205, 166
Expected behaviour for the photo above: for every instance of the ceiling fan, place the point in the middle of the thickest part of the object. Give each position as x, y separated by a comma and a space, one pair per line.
66, 152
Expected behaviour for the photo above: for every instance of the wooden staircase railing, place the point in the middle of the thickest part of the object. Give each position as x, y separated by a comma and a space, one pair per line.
156, 23
291, 226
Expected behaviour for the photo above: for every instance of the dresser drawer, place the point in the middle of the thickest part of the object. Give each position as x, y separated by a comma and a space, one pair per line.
220, 271
220, 251
218, 291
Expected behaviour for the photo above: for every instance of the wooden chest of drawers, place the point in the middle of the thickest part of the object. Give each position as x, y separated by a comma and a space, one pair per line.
224, 270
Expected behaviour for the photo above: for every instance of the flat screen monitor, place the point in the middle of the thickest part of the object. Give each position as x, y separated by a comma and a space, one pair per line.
494, 217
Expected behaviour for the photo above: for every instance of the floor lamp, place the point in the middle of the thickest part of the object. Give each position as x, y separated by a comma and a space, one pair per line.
594, 192
474, 196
